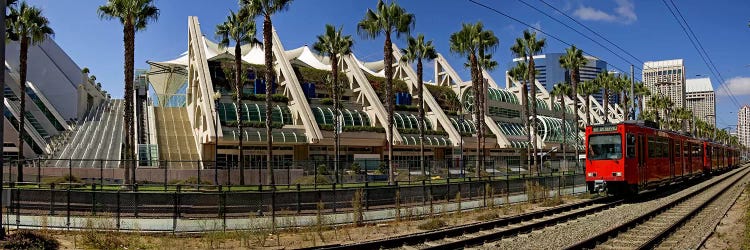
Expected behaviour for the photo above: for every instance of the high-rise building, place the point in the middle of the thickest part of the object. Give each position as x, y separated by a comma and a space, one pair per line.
551, 73
665, 78
743, 125
700, 98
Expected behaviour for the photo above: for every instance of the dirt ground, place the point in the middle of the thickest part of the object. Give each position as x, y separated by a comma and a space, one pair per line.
730, 233
288, 239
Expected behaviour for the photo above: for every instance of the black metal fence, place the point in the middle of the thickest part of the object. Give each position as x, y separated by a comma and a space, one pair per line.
25, 203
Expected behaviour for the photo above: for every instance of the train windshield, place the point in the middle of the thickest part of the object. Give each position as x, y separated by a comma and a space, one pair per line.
605, 147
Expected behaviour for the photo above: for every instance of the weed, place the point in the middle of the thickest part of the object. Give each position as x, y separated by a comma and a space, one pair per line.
487, 216
27, 239
358, 214
319, 222
398, 205
432, 224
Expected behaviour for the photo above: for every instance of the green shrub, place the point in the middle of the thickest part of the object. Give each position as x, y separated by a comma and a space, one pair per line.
326, 101
432, 224
192, 180
427, 131
309, 180
322, 169
413, 108
356, 168
27, 239
71, 180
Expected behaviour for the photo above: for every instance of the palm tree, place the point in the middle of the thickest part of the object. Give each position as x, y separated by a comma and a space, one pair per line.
240, 29
333, 44
623, 82
610, 85
464, 42
487, 42
519, 73
683, 115
387, 19
561, 90
572, 61
641, 92
586, 89
418, 49
531, 47
31, 28
134, 15
267, 8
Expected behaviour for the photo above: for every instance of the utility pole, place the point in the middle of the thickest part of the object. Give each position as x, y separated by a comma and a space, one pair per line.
632, 93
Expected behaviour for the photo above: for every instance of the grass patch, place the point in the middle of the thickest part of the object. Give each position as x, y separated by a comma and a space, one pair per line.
27, 239
487, 216
65, 180
432, 224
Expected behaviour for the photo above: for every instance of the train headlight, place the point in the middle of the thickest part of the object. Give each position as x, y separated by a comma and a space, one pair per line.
616, 173
592, 174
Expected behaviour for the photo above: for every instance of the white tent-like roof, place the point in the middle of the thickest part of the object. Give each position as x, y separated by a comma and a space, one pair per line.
372, 69
306, 56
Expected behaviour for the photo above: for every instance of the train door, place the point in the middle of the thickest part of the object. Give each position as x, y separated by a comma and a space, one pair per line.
670, 151
641, 161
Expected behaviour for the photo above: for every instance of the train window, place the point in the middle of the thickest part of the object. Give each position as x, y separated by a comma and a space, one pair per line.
658, 147
630, 146
605, 147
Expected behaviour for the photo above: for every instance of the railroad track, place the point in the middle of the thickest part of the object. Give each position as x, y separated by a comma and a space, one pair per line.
650, 229
478, 233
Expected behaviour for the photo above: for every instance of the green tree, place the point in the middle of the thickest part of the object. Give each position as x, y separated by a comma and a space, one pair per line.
641, 92
519, 73
561, 90
134, 15
610, 85
531, 46
624, 84
266, 9
572, 61
334, 44
240, 29
418, 49
682, 116
487, 42
387, 19
30, 27
586, 89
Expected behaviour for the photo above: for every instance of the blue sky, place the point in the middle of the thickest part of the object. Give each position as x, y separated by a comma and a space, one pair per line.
645, 29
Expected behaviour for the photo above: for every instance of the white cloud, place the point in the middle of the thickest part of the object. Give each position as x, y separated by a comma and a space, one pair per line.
624, 13
737, 86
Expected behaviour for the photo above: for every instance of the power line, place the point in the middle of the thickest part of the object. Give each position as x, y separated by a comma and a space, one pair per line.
684, 29
715, 71
534, 28
580, 33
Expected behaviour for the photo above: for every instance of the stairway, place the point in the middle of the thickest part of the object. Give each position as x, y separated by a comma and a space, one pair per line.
175, 140
97, 141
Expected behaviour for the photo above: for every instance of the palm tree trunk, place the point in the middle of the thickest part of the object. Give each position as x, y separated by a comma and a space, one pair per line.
605, 101
129, 31
477, 120
564, 131
238, 89
420, 92
574, 80
526, 124
535, 128
388, 58
268, 49
22, 113
337, 112
481, 91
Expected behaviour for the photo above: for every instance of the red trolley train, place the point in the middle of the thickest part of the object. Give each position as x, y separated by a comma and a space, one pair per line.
632, 156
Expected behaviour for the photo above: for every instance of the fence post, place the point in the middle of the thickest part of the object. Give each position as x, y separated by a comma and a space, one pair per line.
52, 199
93, 198
299, 199
366, 196
136, 198
424, 193
101, 174
223, 209
166, 180
118, 209
176, 212
70, 168
198, 185
67, 208
334, 197
38, 173
18, 207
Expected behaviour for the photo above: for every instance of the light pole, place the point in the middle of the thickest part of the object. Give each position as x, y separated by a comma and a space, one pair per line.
554, 149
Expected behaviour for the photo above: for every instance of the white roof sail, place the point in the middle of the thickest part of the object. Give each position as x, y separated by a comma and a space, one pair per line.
305, 55
370, 71
255, 55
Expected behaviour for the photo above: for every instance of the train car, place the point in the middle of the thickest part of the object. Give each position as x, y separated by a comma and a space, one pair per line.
632, 156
